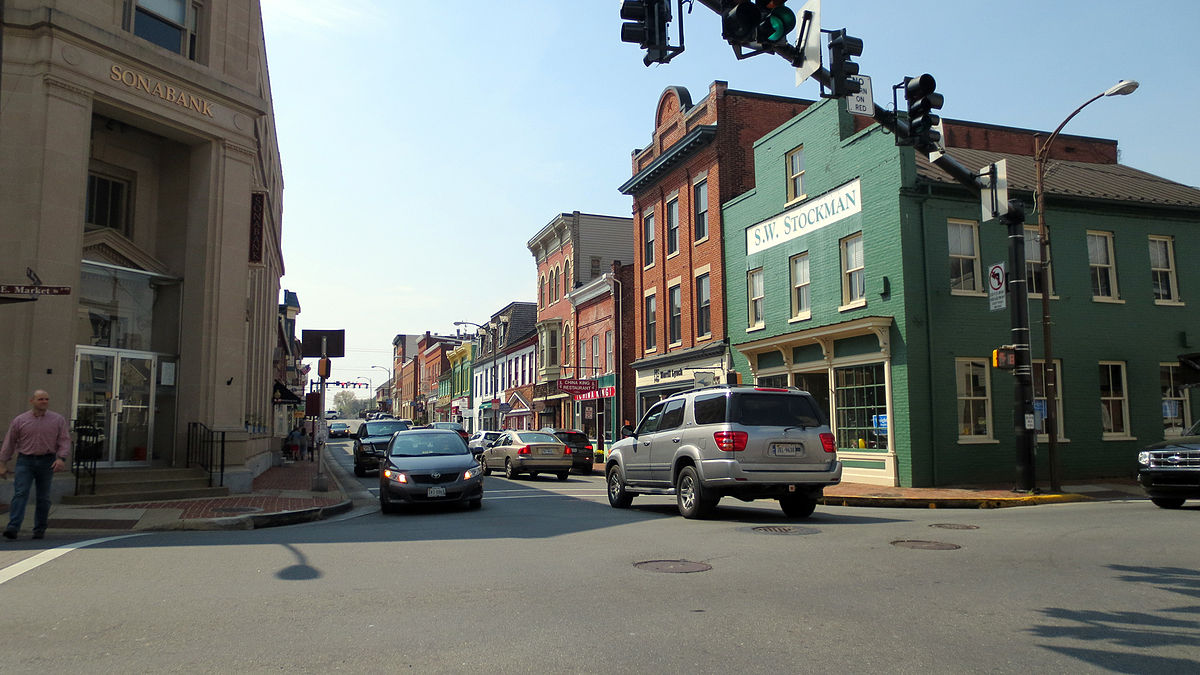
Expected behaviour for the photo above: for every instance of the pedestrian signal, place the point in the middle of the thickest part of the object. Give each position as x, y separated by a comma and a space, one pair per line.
1004, 358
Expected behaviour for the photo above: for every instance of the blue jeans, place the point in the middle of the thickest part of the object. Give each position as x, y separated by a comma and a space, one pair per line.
31, 469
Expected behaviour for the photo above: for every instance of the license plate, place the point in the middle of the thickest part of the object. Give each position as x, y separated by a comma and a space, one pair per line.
549, 451
436, 492
785, 450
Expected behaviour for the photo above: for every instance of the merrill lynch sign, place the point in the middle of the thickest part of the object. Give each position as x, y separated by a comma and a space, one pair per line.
808, 217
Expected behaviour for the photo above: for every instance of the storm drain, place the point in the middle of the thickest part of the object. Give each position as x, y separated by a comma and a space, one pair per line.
955, 526
238, 509
784, 529
925, 545
672, 566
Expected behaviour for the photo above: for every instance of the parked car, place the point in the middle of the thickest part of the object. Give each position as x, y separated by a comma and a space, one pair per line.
331, 414
429, 466
479, 440
727, 441
452, 426
371, 441
1169, 471
582, 454
529, 452
339, 430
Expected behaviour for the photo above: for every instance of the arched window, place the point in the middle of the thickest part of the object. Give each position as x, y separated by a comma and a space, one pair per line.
568, 284
542, 292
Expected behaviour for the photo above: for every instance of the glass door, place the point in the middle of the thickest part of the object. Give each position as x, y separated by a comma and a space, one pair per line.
114, 396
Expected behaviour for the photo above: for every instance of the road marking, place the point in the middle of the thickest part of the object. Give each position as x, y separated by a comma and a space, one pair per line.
490, 497
16, 570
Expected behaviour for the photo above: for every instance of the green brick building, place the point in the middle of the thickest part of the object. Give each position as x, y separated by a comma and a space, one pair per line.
857, 270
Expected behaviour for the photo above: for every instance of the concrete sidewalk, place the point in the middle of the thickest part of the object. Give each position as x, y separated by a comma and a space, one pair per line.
284, 495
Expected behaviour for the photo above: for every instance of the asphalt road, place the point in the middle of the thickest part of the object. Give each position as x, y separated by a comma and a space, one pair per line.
545, 578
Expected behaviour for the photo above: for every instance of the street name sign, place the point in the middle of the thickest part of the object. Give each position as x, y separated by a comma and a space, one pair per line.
26, 289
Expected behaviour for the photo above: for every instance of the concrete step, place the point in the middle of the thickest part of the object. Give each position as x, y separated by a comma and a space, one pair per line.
148, 495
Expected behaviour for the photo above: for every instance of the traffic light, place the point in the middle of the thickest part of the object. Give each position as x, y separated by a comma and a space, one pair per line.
323, 367
1004, 358
646, 25
922, 101
842, 48
764, 22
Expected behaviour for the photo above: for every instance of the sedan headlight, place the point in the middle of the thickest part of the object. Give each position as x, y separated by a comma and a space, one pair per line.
395, 476
1144, 458
472, 472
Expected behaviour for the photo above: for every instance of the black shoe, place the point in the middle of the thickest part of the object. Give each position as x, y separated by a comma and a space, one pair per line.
39, 534
10, 534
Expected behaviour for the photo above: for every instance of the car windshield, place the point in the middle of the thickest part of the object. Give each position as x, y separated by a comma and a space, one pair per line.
422, 445
537, 437
572, 437
383, 428
338, 425
447, 425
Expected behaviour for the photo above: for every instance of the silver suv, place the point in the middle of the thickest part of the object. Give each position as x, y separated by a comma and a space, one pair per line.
727, 441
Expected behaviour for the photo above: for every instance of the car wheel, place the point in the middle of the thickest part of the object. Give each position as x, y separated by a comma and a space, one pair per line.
486, 471
1167, 502
510, 471
618, 498
475, 503
359, 470
799, 506
562, 475
689, 494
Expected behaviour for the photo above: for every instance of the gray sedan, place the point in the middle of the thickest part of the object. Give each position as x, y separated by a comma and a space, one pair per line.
530, 452
428, 466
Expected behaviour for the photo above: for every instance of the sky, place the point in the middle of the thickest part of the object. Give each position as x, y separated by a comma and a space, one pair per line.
424, 143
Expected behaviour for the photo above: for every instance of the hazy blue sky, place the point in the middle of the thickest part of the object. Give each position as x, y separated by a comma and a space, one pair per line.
424, 143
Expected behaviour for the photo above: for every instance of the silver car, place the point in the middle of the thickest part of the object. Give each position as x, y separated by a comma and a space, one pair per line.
428, 466
727, 441
528, 452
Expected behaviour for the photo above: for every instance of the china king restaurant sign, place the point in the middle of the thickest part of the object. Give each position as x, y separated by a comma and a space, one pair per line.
602, 392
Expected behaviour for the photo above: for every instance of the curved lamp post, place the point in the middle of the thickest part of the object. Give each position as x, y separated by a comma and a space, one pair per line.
1050, 378
391, 387
491, 332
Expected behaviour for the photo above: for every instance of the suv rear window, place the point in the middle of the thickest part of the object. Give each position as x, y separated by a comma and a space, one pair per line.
710, 408
755, 410
572, 437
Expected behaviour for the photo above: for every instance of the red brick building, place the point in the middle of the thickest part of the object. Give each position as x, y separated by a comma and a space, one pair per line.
700, 156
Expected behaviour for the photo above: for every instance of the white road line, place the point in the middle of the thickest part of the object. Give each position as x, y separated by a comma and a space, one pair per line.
16, 570
490, 496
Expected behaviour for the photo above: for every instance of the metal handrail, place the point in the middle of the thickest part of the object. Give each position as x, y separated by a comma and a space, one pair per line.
87, 448
206, 449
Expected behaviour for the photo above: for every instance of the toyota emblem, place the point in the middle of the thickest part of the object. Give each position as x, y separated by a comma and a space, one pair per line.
436, 475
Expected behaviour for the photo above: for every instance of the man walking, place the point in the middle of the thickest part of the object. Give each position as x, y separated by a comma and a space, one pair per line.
40, 440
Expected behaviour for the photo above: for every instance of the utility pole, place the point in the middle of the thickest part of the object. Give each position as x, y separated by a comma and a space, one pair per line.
1023, 420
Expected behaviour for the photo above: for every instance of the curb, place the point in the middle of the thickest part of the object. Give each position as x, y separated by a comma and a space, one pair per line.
952, 502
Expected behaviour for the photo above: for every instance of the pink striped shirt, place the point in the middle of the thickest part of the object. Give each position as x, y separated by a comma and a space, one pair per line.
31, 434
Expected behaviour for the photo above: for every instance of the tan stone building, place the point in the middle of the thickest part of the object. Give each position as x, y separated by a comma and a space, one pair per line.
141, 169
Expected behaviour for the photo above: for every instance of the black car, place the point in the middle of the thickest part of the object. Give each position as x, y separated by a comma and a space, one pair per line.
1169, 471
429, 466
339, 430
581, 448
371, 442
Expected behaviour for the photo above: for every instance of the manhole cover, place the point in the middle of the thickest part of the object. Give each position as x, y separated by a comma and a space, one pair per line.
672, 566
925, 545
955, 526
238, 509
784, 529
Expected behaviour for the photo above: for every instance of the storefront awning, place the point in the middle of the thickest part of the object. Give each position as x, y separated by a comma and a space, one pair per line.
284, 396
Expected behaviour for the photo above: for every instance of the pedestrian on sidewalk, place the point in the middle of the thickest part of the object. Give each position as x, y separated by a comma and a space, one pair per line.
39, 439
303, 442
293, 442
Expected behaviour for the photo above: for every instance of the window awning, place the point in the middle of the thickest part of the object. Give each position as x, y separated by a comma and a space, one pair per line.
284, 396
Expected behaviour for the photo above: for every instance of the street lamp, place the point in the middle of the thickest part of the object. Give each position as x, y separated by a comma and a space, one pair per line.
490, 331
391, 386
1050, 378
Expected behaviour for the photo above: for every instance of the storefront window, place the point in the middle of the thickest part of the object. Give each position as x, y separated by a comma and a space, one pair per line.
861, 404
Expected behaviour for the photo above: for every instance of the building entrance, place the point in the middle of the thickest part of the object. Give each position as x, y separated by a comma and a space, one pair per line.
115, 396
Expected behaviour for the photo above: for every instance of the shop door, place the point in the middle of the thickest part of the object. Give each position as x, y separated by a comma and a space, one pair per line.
114, 396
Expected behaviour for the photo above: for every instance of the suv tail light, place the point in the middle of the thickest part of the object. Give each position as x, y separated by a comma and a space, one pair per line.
730, 441
588, 446
567, 450
827, 443
523, 451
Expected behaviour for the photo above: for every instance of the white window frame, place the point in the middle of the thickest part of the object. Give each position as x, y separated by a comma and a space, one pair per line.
1122, 400
1039, 394
962, 396
801, 279
1172, 279
795, 193
648, 239
1109, 266
1033, 259
954, 225
854, 272
672, 217
754, 299
700, 210
650, 322
703, 303
674, 315
1183, 400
